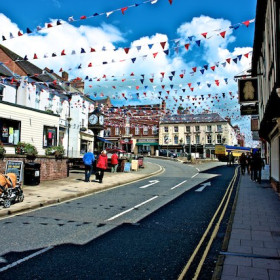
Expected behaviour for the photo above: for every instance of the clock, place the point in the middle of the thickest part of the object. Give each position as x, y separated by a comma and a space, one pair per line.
101, 119
93, 119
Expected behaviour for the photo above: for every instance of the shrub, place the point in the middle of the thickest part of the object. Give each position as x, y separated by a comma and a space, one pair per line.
57, 151
2, 150
23, 148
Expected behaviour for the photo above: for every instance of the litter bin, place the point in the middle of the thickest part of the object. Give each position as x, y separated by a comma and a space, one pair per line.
32, 173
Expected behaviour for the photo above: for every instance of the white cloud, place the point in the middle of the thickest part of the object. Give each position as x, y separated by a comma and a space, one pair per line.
68, 37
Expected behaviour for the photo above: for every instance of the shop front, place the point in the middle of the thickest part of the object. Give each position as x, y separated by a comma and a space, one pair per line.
86, 143
126, 145
146, 146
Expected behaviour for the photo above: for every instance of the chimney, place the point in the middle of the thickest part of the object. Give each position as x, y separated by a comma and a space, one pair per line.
65, 76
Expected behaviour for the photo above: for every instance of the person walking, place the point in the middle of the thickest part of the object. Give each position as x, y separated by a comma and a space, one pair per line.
230, 159
259, 165
242, 162
88, 160
248, 162
101, 165
114, 162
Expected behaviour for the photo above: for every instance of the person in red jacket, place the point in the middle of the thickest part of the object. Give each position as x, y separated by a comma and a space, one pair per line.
101, 166
114, 162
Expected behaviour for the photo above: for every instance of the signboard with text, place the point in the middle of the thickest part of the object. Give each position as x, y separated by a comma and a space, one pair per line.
246, 110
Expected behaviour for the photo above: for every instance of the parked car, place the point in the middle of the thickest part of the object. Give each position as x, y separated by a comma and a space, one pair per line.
167, 153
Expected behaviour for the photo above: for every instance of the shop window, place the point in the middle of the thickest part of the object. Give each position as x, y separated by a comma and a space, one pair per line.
49, 136
10, 131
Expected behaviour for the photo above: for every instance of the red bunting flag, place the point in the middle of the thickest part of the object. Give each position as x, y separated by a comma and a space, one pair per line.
162, 74
223, 34
19, 33
192, 89
163, 44
124, 9
181, 76
187, 46
60, 70
213, 67
194, 69
151, 80
246, 55
247, 22
155, 54
204, 34
49, 25
163, 86
83, 17
114, 87
126, 50
132, 74
63, 52
35, 56
228, 60
137, 87
90, 64
92, 50
170, 1
189, 84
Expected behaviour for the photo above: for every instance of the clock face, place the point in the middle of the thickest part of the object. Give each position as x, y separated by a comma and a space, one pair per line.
93, 119
101, 120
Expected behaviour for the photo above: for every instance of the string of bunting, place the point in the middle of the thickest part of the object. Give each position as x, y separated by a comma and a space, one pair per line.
71, 19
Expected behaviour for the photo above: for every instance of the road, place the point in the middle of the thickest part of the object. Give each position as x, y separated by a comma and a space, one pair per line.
145, 230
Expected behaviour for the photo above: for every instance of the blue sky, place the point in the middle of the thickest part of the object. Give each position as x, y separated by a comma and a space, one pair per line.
144, 25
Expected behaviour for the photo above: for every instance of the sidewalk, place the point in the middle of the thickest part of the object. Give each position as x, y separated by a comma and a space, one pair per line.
253, 250
50, 192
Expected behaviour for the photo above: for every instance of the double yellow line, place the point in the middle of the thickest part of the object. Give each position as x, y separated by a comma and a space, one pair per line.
226, 198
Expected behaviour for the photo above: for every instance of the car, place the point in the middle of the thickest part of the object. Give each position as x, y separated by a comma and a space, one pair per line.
167, 153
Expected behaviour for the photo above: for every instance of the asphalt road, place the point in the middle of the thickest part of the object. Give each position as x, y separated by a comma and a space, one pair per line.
145, 230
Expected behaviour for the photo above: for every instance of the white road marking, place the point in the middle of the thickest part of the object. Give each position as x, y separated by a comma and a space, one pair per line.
3, 260
195, 175
128, 210
197, 169
151, 183
26, 258
178, 185
203, 186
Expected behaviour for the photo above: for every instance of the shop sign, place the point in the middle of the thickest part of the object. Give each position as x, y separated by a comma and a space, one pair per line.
248, 90
254, 124
16, 167
249, 110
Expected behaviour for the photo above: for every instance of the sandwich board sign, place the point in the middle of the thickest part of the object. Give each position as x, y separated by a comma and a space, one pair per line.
16, 167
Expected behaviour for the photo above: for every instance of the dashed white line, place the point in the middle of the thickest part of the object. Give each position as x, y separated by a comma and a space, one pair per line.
178, 185
128, 210
26, 258
197, 169
195, 175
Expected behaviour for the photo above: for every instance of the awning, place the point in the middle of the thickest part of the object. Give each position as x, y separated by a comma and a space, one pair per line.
147, 144
103, 140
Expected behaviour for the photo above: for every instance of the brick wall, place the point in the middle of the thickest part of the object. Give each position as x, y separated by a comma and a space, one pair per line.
51, 169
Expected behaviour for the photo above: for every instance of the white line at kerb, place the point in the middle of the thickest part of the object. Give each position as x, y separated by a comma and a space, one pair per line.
195, 175
25, 259
178, 185
128, 210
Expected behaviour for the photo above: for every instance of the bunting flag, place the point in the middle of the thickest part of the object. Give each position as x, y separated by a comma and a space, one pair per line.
71, 19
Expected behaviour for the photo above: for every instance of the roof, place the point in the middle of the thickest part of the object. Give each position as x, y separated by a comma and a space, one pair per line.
5, 71
190, 118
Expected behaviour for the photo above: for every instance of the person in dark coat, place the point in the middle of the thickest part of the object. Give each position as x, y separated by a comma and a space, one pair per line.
101, 165
248, 162
242, 161
258, 166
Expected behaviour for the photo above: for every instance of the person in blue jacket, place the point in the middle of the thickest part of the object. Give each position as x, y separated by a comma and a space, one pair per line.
88, 160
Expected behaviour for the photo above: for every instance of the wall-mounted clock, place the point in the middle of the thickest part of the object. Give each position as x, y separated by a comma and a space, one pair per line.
93, 119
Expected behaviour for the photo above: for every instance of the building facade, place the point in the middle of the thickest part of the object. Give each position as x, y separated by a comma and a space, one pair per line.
266, 67
195, 134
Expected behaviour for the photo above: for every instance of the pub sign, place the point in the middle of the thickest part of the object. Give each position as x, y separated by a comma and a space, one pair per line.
248, 90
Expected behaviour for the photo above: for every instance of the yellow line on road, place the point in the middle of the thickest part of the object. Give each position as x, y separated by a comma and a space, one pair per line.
186, 268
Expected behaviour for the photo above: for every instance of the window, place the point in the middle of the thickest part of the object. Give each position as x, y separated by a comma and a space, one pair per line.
209, 139
145, 130
176, 129
49, 136
188, 139
209, 128
197, 139
127, 130
117, 130
176, 139
219, 127
166, 129
1, 92
197, 129
155, 130
10, 131
219, 139
188, 128
108, 132
137, 130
